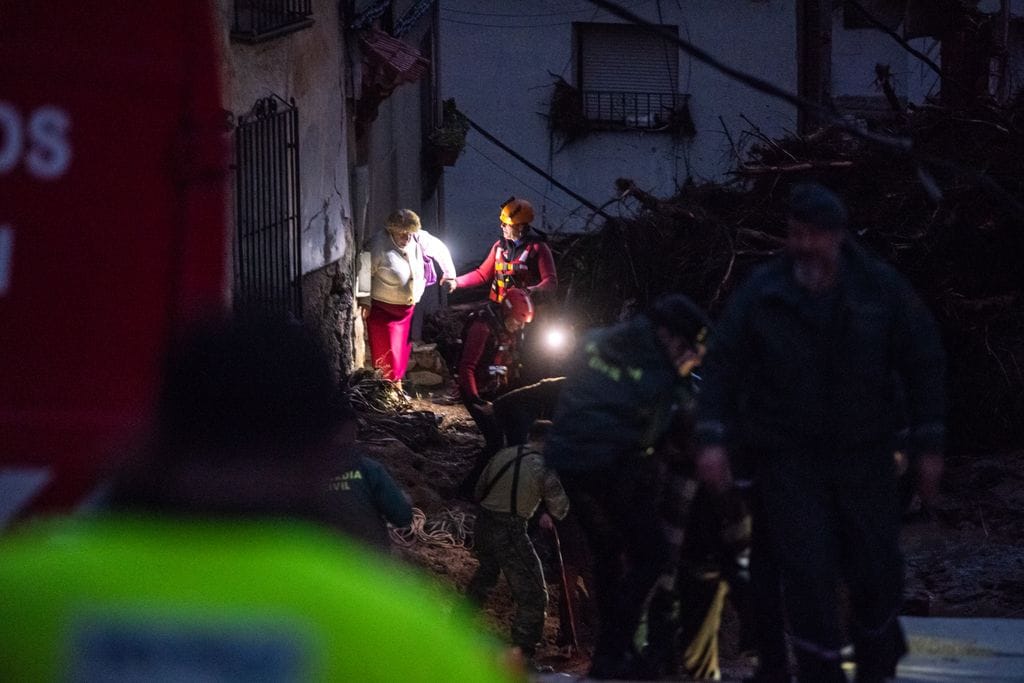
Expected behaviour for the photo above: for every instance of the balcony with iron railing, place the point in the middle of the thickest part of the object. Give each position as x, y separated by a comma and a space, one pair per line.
259, 20
612, 110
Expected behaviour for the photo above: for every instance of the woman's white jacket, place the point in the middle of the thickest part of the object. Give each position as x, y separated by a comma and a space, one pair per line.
398, 276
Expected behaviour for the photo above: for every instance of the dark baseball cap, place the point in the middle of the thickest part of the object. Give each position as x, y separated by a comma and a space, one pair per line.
816, 205
678, 314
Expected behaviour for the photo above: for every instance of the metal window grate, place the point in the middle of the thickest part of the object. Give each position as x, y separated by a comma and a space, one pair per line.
632, 110
267, 255
259, 20
628, 77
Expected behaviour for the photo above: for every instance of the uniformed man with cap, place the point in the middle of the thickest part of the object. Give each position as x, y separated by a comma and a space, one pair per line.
809, 372
618, 401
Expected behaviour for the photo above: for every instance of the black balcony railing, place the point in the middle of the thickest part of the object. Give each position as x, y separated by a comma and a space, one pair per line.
267, 256
258, 20
632, 110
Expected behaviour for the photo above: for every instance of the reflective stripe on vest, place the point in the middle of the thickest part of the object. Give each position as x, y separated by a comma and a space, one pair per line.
504, 271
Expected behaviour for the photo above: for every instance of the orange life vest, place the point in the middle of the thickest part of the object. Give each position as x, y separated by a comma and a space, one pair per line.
512, 271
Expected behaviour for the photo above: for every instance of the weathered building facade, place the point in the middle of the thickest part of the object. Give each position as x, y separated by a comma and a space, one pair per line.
325, 109
590, 97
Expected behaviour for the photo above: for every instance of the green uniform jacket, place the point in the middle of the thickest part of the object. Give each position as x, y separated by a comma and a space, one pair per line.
239, 600
619, 396
364, 497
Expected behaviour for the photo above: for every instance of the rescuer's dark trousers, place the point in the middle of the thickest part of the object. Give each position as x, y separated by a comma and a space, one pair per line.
834, 516
683, 623
764, 603
493, 442
501, 544
616, 507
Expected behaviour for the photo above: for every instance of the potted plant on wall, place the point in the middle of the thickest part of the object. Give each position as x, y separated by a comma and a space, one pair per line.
446, 142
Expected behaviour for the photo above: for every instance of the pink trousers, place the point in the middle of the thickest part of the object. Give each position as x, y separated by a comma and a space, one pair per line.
388, 326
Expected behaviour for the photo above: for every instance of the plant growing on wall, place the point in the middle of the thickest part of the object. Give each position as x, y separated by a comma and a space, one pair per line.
566, 116
446, 142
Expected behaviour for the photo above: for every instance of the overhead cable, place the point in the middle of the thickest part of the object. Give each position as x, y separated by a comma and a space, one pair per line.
879, 25
504, 170
505, 25
366, 18
537, 169
581, 10
409, 19
829, 114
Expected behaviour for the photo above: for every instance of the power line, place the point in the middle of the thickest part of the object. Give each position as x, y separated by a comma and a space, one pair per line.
895, 36
538, 14
513, 175
901, 145
537, 169
518, 14
504, 26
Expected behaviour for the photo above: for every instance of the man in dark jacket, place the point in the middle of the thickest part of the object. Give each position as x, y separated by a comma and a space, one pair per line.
617, 403
804, 381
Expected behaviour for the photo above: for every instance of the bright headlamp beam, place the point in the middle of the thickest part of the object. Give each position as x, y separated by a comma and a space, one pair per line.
555, 338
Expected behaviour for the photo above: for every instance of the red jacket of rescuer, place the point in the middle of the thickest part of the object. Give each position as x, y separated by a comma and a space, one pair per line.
527, 264
112, 219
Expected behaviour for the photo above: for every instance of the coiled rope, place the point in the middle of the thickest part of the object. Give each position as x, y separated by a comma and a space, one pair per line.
448, 529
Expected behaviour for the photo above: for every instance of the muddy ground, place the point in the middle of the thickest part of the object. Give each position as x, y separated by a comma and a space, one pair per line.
966, 559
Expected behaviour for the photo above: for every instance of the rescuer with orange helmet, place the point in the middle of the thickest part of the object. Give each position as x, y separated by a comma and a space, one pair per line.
489, 362
520, 259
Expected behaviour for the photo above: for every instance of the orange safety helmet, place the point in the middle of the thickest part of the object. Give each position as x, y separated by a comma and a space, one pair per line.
517, 304
515, 211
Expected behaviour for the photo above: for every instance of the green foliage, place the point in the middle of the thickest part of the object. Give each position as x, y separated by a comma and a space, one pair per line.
451, 134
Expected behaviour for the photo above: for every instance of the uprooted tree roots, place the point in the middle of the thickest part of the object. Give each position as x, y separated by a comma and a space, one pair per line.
959, 243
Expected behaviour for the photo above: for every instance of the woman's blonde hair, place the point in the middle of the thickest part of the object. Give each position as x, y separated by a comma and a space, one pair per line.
403, 220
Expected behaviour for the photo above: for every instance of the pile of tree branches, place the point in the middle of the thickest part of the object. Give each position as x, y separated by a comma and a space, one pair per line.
958, 241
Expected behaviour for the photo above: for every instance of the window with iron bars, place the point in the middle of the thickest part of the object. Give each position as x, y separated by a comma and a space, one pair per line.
259, 20
628, 77
632, 110
267, 250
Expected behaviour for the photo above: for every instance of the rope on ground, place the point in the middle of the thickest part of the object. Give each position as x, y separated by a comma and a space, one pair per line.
370, 392
448, 529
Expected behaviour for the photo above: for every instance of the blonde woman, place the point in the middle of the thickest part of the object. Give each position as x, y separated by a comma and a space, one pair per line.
401, 266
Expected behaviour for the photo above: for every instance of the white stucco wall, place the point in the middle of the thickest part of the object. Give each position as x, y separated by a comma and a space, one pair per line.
395, 157
499, 69
394, 175
307, 65
855, 52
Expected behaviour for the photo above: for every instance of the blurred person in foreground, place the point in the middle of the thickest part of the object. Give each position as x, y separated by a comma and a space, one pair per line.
362, 496
211, 562
803, 386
